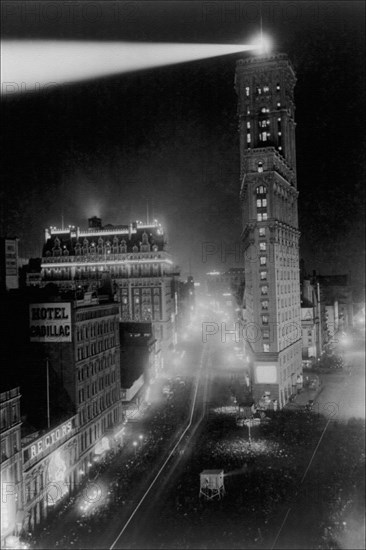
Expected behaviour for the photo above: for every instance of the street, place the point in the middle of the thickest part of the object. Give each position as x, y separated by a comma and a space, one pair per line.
299, 479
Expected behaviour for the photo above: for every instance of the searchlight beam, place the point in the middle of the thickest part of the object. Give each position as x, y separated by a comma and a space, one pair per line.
32, 65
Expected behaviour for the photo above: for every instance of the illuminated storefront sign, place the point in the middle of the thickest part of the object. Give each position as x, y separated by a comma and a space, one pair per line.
48, 441
266, 374
50, 322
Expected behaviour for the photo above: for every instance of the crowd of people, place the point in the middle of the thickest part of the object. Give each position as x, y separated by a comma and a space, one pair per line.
263, 478
121, 477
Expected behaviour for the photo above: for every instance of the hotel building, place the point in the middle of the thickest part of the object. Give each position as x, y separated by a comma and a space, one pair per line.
135, 258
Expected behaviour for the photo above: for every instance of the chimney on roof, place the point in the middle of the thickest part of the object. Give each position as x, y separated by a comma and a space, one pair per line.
95, 223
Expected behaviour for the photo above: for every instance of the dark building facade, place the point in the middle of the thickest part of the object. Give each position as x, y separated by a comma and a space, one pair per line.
78, 341
268, 195
140, 364
11, 464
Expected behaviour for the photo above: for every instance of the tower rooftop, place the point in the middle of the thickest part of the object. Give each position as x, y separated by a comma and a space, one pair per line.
257, 60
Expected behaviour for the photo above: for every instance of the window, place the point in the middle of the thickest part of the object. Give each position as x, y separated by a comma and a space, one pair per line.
248, 125
265, 89
262, 246
265, 333
266, 348
264, 290
248, 138
265, 304
278, 86
262, 231
260, 166
278, 104
265, 217
263, 275
264, 123
259, 217
263, 260
265, 319
261, 190
247, 91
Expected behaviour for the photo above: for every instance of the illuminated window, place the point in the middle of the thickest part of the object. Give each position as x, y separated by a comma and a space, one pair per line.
263, 260
259, 91
260, 166
262, 231
278, 104
263, 136
262, 246
248, 138
278, 86
265, 217
265, 304
265, 319
263, 275
264, 290
248, 124
261, 190
247, 90
266, 89
266, 348
259, 217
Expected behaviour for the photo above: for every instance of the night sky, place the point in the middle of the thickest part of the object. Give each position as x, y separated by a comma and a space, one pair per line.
169, 135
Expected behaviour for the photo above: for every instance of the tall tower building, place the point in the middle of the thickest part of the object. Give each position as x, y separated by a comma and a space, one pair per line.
268, 195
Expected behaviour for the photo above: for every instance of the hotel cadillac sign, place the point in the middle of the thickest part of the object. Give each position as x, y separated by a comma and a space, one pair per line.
50, 322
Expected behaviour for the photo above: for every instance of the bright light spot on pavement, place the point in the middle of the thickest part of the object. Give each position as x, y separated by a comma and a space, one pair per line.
33, 65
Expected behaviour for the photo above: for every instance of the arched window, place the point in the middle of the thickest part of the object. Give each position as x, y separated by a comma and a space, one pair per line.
100, 245
85, 246
115, 245
123, 247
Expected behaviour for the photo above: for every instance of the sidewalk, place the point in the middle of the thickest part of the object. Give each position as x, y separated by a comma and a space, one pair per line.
303, 398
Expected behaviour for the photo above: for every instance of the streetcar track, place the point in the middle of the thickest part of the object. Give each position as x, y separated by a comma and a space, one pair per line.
203, 361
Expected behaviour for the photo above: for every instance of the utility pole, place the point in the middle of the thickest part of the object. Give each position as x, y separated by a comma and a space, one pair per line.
48, 394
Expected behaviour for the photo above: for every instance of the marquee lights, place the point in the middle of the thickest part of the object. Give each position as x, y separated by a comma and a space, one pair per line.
93, 232
107, 262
